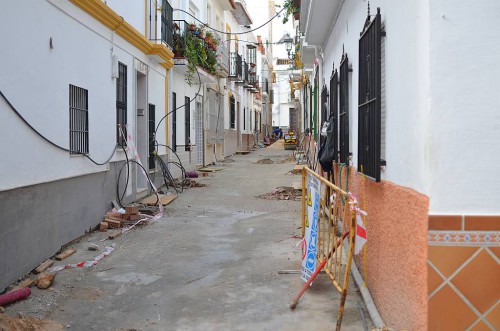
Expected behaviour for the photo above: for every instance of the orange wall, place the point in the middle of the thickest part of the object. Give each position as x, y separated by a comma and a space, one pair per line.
396, 249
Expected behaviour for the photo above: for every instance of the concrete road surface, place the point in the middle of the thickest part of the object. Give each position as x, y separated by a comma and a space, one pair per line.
211, 263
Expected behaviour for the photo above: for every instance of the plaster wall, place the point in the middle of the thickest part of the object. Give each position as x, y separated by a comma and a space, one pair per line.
464, 116
396, 251
405, 85
134, 12
39, 219
69, 61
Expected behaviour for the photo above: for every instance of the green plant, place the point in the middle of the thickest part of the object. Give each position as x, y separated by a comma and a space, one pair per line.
289, 9
192, 56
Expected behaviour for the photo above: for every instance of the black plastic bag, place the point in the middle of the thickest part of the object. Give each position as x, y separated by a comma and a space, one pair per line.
328, 149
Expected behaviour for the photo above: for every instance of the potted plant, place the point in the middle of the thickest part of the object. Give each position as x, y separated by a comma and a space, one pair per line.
192, 27
208, 37
178, 45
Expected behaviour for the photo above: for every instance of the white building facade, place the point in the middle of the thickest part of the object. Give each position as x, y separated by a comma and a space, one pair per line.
405, 83
95, 68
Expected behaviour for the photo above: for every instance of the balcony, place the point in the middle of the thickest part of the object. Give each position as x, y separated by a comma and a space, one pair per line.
222, 59
166, 20
245, 77
254, 83
235, 67
194, 50
265, 87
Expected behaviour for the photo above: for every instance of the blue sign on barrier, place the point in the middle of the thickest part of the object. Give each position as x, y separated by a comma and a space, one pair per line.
311, 231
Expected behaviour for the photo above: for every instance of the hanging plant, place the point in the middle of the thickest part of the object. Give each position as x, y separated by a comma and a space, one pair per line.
289, 9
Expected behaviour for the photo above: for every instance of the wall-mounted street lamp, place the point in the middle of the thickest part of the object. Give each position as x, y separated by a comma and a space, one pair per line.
288, 44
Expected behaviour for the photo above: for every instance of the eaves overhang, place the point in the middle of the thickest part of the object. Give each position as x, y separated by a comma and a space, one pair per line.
241, 14
109, 18
226, 4
313, 16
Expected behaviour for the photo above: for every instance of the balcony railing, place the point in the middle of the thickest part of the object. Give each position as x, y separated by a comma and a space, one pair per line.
245, 71
235, 67
223, 57
165, 19
265, 86
189, 43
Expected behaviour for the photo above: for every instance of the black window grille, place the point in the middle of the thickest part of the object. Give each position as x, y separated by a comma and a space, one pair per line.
121, 104
187, 124
244, 118
167, 26
344, 110
78, 120
232, 113
323, 110
174, 122
151, 122
324, 105
334, 108
369, 98
252, 55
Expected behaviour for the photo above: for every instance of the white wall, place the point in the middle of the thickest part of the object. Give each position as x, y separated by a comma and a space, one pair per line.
134, 12
406, 82
182, 89
36, 79
465, 114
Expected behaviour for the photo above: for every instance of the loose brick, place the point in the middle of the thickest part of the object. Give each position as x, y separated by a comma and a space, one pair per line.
132, 210
103, 227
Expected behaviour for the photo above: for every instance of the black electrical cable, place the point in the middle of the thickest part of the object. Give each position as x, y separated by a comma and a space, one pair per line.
191, 100
145, 173
231, 33
49, 141
126, 182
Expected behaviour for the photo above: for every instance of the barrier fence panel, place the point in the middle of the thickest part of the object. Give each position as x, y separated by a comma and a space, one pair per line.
328, 218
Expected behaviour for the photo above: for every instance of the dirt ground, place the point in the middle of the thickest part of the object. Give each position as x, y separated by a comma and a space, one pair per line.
210, 263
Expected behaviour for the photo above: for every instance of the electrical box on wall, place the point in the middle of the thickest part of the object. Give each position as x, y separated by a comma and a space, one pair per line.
140, 112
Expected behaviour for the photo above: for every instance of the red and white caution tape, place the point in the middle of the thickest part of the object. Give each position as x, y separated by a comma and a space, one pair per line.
85, 264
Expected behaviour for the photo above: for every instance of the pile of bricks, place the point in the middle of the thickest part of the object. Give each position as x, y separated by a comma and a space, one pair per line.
116, 220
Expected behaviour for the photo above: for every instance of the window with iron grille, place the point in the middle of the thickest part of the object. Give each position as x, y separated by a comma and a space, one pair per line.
244, 118
232, 113
121, 104
334, 109
187, 124
369, 98
167, 33
78, 120
344, 110
151, 131
174, 122
324, 105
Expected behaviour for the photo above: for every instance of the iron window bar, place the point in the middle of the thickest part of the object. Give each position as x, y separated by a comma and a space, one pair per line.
78, 120
369, 97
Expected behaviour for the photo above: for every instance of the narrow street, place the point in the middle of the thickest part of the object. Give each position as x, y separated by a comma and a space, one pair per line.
211, 263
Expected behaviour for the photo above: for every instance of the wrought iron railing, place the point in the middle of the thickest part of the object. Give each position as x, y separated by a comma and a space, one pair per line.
334, 109
165, 19
184, 35
369, 98
344, 110
245, 71
223, 55
265, 86
235, 66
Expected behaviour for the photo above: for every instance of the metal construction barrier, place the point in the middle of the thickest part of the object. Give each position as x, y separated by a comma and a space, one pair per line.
328, 218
